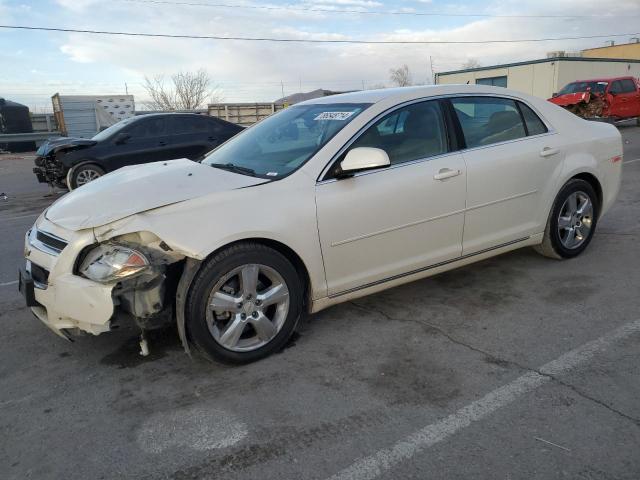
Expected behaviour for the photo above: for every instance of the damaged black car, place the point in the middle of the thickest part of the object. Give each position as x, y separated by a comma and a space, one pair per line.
72, 162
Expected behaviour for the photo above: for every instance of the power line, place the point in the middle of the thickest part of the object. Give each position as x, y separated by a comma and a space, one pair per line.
364, 12
308, 40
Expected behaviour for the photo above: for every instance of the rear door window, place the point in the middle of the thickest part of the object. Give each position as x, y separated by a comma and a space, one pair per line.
616, 87
627, 85
488, 120
183, 125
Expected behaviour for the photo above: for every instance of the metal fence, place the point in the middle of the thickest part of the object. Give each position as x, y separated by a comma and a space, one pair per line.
244, 114
44, 122
26, 137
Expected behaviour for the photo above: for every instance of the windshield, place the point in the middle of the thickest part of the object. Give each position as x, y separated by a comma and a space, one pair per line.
113, 129
579, 87
283, 142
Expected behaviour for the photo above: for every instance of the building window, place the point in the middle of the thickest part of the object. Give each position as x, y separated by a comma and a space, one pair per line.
493, 81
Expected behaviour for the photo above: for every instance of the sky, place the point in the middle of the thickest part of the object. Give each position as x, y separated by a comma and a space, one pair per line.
34, 65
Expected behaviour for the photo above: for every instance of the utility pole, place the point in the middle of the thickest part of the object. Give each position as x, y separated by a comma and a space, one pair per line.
362, 84
126, 89
282, 87
433, 80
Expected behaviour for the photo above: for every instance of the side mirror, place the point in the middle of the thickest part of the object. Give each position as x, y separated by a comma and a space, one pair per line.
554, 94
121, 138
363, 158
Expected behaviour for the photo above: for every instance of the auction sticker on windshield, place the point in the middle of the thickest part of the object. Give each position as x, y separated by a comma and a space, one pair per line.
333, 116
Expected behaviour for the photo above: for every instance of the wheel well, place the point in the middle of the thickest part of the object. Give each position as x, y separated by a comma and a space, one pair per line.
593, 181
83, 163
289, 253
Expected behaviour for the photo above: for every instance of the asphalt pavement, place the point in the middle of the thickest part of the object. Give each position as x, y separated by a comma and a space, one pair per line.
518, 367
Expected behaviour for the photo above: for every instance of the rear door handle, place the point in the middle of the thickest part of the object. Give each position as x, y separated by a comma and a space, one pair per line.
548, 151
445, 173
162, 144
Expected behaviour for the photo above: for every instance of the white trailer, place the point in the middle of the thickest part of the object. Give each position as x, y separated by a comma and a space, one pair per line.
83, 116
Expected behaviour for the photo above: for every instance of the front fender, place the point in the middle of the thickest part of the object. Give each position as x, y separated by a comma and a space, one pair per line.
190, 270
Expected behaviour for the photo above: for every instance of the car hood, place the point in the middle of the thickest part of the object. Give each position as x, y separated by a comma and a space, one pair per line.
138, 188
571, 98
63, 143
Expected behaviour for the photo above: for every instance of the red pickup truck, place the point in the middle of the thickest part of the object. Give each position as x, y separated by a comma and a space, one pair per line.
611, 99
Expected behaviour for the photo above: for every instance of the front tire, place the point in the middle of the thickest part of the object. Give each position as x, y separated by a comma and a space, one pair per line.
572, 221
244, 304
85, 174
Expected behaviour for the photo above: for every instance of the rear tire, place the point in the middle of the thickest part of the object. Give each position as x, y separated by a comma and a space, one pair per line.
572, 221
85, 174
244, 304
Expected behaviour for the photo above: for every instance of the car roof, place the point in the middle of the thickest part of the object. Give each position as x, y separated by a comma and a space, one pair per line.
408, 93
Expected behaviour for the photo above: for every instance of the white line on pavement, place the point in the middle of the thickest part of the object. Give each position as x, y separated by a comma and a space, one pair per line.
370, 467
22, 216
6, 284
631, 161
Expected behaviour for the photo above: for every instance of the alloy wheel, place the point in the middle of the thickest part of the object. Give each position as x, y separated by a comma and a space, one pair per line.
85, 176
575, 220
247, 307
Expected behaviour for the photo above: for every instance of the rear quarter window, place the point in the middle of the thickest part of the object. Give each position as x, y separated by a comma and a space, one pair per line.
219, 127
535, 126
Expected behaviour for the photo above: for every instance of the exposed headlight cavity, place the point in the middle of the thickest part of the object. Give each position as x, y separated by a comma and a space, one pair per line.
110, 262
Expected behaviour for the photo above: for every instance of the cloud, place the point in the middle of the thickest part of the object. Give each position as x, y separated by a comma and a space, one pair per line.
350, 3
252, 71
78, 5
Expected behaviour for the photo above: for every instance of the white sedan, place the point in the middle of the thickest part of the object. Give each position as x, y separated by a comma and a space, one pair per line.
323, 202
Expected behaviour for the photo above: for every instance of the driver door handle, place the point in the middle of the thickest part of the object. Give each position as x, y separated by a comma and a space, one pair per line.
162, 143
548, 151
445, 173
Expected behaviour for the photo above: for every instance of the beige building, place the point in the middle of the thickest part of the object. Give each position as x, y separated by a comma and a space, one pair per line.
625, 50
543, 77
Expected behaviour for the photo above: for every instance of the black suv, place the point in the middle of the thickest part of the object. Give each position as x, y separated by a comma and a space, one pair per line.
154, 137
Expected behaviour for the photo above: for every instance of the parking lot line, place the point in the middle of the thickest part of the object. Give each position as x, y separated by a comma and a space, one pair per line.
372, 466
22, 216
631, 161
6, 284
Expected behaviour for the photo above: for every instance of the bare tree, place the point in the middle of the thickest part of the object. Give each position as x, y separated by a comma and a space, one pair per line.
187, 91
400, 77
471, 63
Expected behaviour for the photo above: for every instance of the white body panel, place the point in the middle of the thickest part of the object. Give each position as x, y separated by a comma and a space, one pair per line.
354, 236
506, 186
362, 221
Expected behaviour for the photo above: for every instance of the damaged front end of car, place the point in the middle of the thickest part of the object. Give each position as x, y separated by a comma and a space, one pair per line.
145, 273
49, 167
